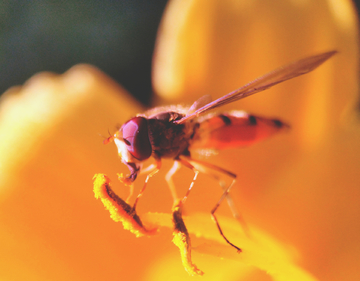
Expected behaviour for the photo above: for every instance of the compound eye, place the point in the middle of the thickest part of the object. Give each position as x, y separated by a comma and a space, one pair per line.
136, 137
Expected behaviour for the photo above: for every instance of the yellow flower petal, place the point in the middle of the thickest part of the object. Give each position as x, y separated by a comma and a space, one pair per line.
302, 186
260, 251
51, 145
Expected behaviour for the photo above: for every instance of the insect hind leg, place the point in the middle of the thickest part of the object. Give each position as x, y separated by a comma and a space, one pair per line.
235, 212
223, 196
200, 166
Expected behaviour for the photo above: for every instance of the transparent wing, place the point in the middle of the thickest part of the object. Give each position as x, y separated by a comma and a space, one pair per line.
265, 82
204, 100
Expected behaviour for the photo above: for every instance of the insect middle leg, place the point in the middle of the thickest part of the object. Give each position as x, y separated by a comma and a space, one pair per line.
170, 182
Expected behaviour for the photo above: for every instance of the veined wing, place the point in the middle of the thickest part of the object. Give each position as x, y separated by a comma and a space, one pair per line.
265, 82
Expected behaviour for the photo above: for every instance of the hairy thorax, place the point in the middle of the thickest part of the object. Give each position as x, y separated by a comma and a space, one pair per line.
169, 139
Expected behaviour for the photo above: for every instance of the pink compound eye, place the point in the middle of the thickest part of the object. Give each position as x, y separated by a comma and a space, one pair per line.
136, 137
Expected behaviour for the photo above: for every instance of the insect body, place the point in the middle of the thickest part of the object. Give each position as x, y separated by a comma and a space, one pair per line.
174, 131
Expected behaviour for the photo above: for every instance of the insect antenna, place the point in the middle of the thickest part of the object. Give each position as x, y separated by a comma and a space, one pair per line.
108, 139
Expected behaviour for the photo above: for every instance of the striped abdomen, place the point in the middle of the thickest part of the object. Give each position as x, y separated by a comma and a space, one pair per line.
234, 129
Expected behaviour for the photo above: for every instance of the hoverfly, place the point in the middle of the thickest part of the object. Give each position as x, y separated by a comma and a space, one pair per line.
174, 131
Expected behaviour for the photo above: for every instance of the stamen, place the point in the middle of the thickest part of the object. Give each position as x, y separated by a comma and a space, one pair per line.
182, 241
118, 208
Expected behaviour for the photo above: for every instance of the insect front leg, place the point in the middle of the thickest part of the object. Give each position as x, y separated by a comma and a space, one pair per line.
151, 170
210, 169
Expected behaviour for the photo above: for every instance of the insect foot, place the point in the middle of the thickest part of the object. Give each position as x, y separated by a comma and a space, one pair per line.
118, 208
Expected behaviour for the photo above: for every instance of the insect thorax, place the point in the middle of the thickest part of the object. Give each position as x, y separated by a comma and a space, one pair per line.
167, 138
